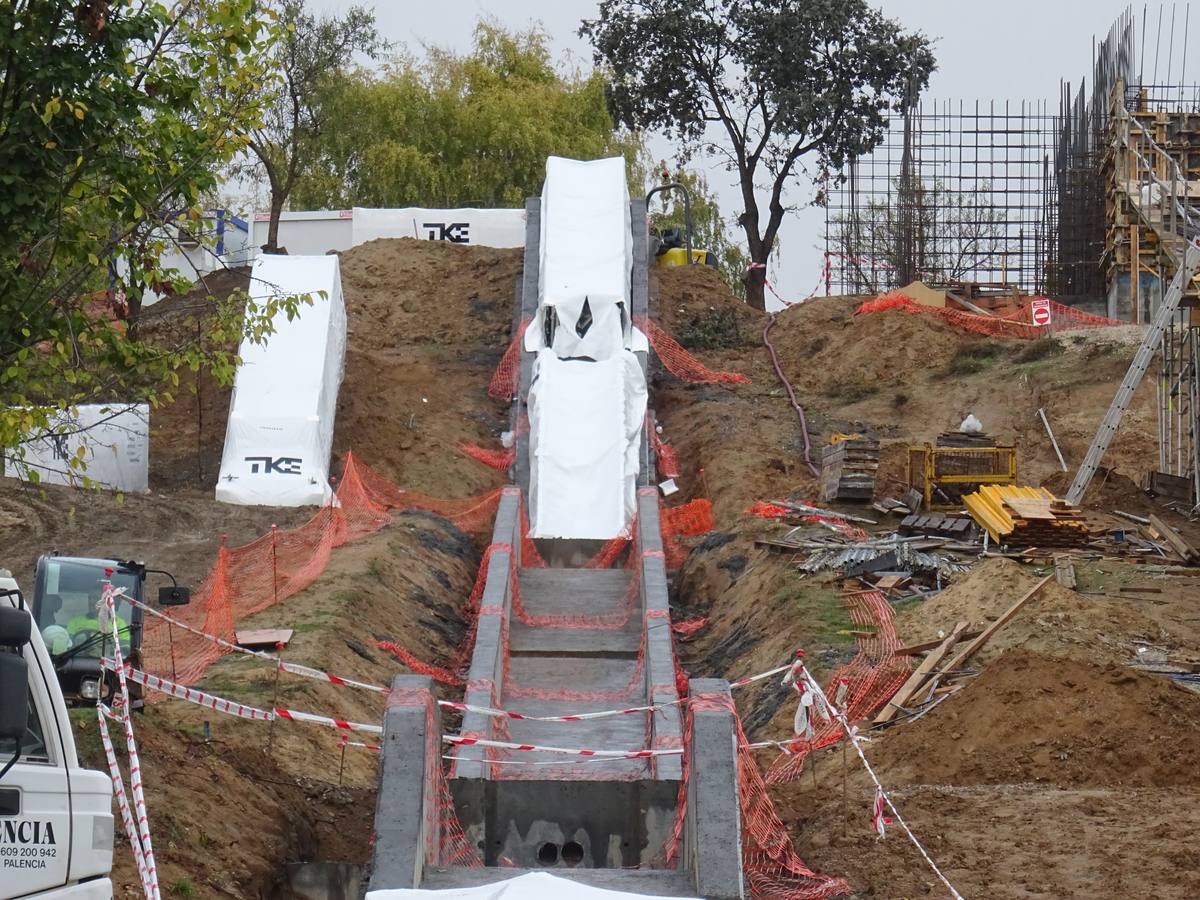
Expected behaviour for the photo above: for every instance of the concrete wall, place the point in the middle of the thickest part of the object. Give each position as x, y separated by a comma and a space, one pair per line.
407, 821
712, 844
666, 725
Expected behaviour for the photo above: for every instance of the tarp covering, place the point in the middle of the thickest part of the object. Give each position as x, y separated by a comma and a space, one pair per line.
280, 430
585, 421
115, 442
483, 227
532, 886
586, 259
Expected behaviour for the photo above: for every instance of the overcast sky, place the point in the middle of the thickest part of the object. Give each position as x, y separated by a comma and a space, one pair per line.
1013, 50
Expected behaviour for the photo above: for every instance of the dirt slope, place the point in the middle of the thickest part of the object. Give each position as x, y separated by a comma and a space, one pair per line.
428, 322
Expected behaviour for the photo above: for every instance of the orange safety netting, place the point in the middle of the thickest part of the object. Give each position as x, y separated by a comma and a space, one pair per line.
664, 454
761, 509
873, 676
283, 562
679, 362
500, 460
690, 519
506, 379
1017, 324
773, 868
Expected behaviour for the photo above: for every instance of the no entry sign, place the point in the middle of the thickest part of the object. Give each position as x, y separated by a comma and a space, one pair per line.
1041, 312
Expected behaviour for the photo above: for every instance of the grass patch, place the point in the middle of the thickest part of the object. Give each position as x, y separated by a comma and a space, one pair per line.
851, 391
717, 329
975, 357
1039, 349
182, 888
821, 613
1099, 349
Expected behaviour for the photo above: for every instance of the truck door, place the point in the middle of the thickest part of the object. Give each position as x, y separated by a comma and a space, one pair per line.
35, 804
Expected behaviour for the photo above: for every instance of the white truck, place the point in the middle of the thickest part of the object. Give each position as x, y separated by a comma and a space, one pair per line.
56, 821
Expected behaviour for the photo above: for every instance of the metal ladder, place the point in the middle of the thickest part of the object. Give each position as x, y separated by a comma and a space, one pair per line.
1137, 369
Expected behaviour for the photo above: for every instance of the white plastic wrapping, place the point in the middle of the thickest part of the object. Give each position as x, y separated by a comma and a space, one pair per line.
482, 227
585, 421
586, 258
115, 442
532, 886
280, 430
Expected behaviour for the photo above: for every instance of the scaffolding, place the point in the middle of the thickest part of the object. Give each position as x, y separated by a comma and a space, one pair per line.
956, 192
1091, 204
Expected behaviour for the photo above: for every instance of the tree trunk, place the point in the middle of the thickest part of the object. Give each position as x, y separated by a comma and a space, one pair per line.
277, 199
756, 281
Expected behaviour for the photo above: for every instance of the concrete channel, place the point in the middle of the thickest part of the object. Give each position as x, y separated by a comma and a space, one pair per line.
604, 823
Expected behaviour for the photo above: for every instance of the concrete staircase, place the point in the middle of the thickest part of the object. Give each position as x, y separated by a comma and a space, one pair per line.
599, 821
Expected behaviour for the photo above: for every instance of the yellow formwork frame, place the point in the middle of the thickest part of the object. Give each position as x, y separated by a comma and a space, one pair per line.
1004, 470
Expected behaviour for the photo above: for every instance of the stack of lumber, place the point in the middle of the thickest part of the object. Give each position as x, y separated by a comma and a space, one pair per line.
1026, 516
926, 678
848, 470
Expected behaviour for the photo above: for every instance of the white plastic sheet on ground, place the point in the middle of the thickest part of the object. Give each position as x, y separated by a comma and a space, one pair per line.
586, 259
585, 423
478, 227
280, 430
115, 438
532, 886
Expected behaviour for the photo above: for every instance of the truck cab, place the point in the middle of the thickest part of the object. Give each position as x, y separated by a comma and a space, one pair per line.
56, 821
65, 611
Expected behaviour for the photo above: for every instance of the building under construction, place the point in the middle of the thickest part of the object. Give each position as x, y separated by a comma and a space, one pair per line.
1091, 204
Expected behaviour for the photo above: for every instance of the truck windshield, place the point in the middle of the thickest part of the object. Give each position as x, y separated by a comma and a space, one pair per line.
33, 745
67, 611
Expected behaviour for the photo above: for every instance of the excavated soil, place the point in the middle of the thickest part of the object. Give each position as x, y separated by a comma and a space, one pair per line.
1059, 771
1056, 621
982, 778
1030, 717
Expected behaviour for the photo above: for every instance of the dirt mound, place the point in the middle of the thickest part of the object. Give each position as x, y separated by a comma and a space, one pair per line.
1056, 621
830, 350
406, 291
682, 296
427, 322
1030, 717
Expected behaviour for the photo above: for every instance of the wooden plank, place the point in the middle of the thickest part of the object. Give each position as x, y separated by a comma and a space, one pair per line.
919, 675
926, 646
972, 648
1185, 550
1029, 508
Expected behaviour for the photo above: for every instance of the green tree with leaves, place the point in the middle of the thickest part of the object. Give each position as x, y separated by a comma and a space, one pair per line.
456, 130
761, 85
115, 119
311, 49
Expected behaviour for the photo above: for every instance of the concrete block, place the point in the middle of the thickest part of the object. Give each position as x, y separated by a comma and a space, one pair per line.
713, 831
407, 837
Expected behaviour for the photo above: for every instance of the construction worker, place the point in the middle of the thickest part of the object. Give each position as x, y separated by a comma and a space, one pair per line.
86, 623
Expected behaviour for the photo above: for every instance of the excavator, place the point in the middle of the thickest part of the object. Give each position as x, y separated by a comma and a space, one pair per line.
673, 246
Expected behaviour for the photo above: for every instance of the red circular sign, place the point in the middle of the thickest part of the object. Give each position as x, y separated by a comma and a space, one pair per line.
1041, 312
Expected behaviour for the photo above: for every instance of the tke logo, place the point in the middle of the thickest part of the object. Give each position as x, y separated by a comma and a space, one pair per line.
283, 465
454, 232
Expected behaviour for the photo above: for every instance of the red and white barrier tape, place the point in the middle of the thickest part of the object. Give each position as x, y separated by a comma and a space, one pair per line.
283, 665
241, 710
139, 834
460, 741
856, 741
182, 692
